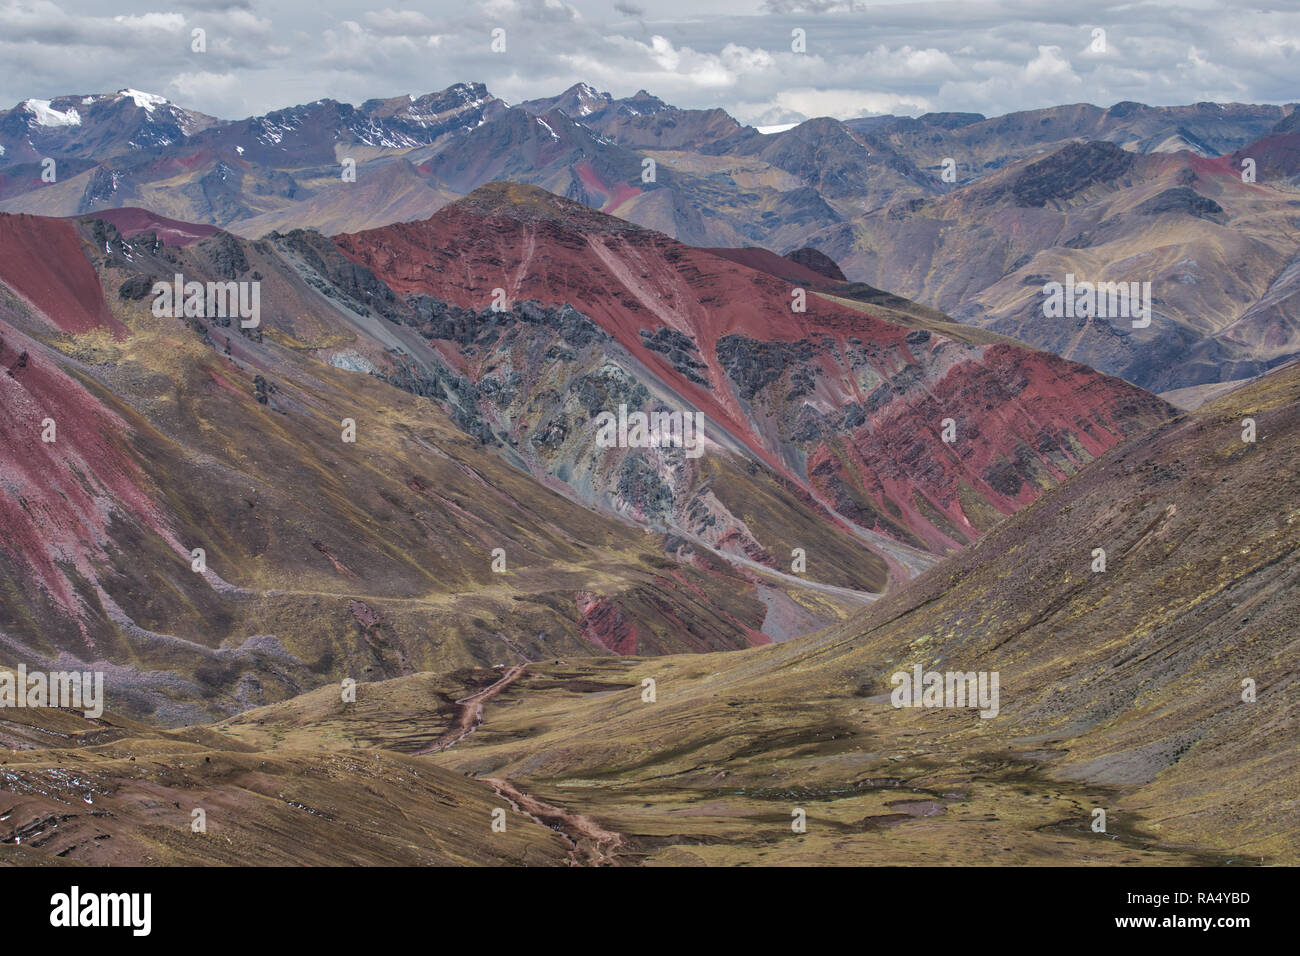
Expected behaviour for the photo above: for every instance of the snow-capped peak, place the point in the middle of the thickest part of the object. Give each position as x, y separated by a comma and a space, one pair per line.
589, 98
51, 117
146, 101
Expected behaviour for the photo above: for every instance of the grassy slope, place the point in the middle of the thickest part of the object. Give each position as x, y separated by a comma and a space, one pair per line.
126, 797
1119, 690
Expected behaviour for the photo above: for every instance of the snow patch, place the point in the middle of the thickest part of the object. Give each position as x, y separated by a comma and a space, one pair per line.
548, 129
769, 130
51, 117
145, 101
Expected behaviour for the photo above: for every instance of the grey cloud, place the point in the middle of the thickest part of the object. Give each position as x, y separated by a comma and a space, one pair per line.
808, 6
214, 5
991, 56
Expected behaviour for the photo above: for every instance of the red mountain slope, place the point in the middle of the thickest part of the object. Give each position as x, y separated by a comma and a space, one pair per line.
836, 399
44, 262
68, 477
132, 221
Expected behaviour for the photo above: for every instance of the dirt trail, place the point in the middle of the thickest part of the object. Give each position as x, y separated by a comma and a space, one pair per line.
470, 714
859, 597
593, 845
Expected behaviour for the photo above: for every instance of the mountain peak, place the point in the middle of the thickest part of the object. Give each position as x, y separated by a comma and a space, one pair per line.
523, 202
145, 101
585, 90
578, 101
646, 102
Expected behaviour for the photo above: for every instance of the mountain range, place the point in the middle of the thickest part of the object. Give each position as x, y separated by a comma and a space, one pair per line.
391, 477
905, 204
824, 433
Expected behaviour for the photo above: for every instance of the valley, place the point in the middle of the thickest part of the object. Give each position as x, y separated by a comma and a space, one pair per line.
579, 483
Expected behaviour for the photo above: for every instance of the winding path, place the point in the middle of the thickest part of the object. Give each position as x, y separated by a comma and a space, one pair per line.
590, 843
470, 713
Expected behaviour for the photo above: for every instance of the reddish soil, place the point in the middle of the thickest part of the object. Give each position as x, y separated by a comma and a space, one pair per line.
626, 279
763, 260
131, 221
64, 494
1008, 402
44, 261
604, 624
616, 193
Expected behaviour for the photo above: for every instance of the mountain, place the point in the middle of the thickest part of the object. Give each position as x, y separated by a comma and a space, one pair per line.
844, 406
1120, 690
907, 205
1219, 254
373, 558
94, 127
411, 464
578, 101
323, 558
640, 121
312, 133
388, 190
845, 167
222, 173
716, 182
981, 145
1276, 155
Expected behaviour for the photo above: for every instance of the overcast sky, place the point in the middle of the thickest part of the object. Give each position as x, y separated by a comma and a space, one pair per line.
863, 56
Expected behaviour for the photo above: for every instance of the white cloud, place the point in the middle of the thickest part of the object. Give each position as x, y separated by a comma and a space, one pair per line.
847, 104
992, 56
166, 22
208, 87
1050, 67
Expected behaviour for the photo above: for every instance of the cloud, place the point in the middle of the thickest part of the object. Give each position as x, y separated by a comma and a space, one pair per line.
806, 6
399, 22
217, 89
211, 5
1049, 67
846, 104
990, 56
165, 22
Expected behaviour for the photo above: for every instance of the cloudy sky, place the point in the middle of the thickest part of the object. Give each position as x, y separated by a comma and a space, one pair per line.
862, 56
